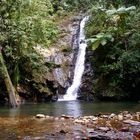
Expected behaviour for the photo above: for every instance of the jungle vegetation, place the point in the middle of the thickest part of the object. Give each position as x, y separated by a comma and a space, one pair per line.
112, 33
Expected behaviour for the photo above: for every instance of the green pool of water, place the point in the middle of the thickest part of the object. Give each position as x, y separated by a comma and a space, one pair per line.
73, 108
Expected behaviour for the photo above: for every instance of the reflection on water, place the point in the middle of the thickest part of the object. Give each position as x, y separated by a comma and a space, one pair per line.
13, 112
73, 108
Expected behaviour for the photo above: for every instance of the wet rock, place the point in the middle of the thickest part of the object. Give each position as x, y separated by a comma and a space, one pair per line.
40, 116
86, 121
56, 118
106, 116
112, 115
90, 130
62, 119
131, 122
105, 129
137, 115
128, 116
77, 138
66, 116
120, 117
78, 121
90, 117
38, 138
49, 117
94, 119
99, 137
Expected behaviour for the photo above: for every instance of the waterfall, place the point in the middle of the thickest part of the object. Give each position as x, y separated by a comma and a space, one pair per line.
71, 93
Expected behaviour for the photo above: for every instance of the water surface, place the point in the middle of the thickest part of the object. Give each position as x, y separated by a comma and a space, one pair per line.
73, 108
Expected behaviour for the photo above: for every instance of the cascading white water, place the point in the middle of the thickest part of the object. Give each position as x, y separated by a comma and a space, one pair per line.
71, 93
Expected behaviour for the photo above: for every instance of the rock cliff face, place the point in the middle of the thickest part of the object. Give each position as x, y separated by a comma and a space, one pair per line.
65, 59
60, 59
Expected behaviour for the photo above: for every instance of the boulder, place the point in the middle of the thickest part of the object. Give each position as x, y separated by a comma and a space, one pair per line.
99, 137
40, 116
131, 122
105, 129
112, 115
120, 117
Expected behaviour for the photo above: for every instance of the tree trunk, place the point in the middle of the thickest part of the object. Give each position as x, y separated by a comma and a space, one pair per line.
8, 83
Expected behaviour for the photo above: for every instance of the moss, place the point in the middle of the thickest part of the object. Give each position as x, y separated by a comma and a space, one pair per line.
43, 89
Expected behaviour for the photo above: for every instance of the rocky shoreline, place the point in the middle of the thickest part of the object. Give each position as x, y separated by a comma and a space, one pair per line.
122, 126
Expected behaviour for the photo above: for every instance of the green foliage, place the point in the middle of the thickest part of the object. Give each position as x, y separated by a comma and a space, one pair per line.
79, 4
88, 4
114, 37
62, 6
24, 25
16, 76
100, 38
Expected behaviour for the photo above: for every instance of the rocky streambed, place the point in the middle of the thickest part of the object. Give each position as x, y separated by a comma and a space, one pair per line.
122, 126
